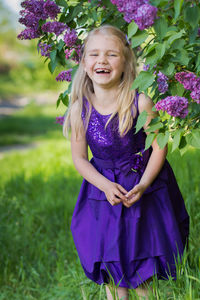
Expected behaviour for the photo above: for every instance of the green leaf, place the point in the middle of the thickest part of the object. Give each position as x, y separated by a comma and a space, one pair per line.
65, 100
68, 90
182, 57
177, 7
198, 61
192, 15
53, 55
154, 127
175, 36
177, 138
160, 50
52, 65
149, 140
162, 139
139, 38
152, 59
168, 68
60, 45
62, 3
193, 138
178, 44
132, 29
150, 48
58, 102
177, 89
94, 15
143, 81
160, 27
142, 118
82, 20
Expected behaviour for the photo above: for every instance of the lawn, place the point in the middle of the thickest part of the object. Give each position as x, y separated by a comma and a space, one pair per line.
38, 191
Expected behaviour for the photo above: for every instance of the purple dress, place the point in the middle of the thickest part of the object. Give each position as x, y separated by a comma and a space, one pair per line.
132, 244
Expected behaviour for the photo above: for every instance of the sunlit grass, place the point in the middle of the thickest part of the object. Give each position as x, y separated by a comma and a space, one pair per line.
38, 192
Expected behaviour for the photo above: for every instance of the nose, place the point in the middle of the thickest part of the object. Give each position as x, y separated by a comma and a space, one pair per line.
102, 58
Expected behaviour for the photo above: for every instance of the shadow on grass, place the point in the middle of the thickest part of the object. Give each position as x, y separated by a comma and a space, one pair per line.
22, 130
35, 217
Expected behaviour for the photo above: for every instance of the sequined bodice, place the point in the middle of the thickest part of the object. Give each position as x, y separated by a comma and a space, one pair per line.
107, 143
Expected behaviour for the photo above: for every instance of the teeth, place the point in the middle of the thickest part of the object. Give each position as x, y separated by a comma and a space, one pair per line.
102, 71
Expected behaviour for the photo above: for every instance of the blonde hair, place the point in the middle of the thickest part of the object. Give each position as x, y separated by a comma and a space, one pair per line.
82, 86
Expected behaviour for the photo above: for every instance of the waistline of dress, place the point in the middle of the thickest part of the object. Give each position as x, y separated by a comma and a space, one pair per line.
135, 162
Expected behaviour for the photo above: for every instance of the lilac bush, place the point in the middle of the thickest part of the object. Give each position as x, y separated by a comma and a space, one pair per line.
195, 94
35, 7
70, 37
60, 120
140, 11
164, 36
174, 105
74, 53
29, 34
145, 16
64, 76
54, 27
51, 9
45, 49
190, 82
185, 78
162, 82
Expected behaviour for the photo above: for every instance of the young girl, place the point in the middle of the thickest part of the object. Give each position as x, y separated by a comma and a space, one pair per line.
130, 220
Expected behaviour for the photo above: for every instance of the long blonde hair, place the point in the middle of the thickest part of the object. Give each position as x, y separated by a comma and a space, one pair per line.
82, 86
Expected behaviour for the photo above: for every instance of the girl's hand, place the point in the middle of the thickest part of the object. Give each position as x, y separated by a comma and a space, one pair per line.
115, 193
134, 195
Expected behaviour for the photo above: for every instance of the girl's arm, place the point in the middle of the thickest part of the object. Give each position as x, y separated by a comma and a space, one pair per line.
156, 159
113, 191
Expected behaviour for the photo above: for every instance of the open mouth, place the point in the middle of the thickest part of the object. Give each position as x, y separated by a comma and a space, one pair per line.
102, 71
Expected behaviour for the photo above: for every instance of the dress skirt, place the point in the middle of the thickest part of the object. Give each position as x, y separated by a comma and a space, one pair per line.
130, 244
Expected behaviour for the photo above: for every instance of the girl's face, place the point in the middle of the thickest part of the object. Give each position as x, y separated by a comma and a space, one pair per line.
104, 60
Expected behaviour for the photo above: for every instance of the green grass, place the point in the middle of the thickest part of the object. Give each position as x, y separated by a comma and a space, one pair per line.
38, 191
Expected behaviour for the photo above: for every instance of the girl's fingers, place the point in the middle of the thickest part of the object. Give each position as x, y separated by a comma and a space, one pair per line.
121, 189
121, 196
131, 192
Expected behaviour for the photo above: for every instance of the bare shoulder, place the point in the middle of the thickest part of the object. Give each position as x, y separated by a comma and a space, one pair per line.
145, 103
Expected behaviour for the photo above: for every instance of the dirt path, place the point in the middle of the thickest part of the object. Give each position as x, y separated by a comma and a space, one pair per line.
7, 108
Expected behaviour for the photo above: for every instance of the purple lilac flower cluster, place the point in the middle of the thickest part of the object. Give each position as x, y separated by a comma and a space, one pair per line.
190, 82
45, 49
65, 76
29, 34
195, 94
146, 67
74, 53
185, 78
36, 7
33, 12
162, 82
70, 37
137, 162
175, 106
140, 11
51, 9
60, 120
55, 27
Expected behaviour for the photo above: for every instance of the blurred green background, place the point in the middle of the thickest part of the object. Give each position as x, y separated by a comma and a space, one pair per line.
39, 186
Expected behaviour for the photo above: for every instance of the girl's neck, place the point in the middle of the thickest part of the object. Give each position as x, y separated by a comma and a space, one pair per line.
105, 97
